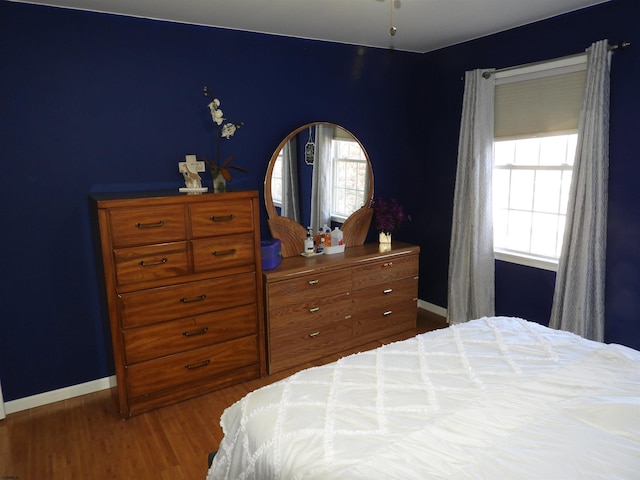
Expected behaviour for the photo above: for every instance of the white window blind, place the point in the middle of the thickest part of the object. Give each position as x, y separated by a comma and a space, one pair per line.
539, 100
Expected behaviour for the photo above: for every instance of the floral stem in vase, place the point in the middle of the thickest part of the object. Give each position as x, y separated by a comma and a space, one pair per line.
220, 171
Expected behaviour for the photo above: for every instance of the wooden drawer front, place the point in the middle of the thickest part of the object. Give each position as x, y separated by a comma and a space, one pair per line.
301, 289
191, 366
381, 272
380, 296
308, 341
184, 300
151, 262
386, 309
223, 252
221, 218
140, 226
317, 311
375, 323
145, 343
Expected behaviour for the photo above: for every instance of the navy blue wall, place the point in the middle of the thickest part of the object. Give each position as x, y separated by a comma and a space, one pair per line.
524, 291
94, 102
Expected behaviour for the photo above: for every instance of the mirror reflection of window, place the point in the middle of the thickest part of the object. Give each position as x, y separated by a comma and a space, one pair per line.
276, 181
349, 179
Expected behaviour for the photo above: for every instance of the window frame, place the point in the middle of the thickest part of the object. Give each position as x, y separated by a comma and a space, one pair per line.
537, 69
335, 159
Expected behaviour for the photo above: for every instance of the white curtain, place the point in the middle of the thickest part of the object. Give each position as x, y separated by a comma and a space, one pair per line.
290, 190
471, 261
322, 165
578, 302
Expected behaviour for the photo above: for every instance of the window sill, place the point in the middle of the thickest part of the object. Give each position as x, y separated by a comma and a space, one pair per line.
527, 260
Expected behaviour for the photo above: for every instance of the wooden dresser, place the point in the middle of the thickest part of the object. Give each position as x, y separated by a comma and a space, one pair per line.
322, 305
184, 291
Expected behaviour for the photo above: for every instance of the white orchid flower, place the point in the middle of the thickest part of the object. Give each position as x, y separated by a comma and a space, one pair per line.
228, 130
216, 113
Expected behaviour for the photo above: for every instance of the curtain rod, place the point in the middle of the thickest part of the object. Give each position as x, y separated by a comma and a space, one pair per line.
617, 46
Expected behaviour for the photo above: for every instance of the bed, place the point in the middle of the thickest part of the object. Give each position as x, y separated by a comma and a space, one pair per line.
494, 398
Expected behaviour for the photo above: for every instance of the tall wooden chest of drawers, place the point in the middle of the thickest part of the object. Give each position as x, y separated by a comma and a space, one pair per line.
184, 291
322, 305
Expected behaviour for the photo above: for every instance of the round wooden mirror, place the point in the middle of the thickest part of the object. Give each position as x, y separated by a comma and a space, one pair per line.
319, 174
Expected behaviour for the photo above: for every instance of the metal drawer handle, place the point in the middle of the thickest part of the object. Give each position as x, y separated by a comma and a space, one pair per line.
198, 365
388, 264
314, 309
387, 291
191, 300
151, 264
388, 312
314, 282
193, 334
222, 218
216, 253
150, 225
314, 334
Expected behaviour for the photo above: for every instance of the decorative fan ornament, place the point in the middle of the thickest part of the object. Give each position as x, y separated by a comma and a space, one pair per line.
394, 4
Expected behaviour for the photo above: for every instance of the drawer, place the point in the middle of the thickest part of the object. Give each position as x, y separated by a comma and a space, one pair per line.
145, 343
221, 218
376, 323
318, 311
140, 226
303, 288
223, 252
380, 272
383, 310
378, 296
308, 341
174, 370
151, 262
184, 300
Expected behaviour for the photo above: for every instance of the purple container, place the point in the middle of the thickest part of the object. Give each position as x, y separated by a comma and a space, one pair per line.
271, 253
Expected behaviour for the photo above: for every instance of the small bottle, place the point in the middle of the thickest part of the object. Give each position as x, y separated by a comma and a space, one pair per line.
327, 236
308, 242
336, 237
320, 248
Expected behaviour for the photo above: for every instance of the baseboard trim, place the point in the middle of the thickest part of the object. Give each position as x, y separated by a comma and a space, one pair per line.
431, 307
57, 395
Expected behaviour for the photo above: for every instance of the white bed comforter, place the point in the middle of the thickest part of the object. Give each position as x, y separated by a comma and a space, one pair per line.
495, 398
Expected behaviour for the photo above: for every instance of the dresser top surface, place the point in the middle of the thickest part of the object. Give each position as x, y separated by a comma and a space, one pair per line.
161, 197
292, 266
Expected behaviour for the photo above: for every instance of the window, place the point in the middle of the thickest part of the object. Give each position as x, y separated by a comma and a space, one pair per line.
537, 109
349, 178
276, 181
531, 179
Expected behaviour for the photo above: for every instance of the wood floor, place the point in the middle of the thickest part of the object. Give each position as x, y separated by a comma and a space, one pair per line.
84, 438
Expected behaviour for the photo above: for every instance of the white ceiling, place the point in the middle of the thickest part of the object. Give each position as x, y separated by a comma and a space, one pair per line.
422, 25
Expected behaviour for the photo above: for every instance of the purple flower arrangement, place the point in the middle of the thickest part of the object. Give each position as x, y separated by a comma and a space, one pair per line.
389, 215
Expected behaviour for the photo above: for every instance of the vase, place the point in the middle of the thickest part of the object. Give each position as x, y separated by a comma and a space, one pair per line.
219, 182
384, 238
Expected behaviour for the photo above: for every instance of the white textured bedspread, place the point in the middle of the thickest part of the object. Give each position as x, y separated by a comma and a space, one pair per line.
495, 398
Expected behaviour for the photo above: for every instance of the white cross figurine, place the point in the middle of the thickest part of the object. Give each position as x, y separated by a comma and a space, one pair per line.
189, 170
